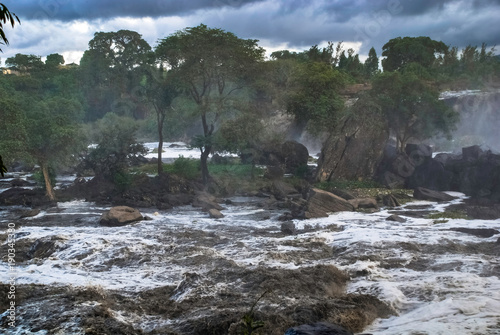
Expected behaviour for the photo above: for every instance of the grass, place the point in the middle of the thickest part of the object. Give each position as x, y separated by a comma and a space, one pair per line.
347, 184
443, 217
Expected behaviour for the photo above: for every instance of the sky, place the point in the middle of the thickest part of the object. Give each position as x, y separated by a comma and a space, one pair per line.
67, 26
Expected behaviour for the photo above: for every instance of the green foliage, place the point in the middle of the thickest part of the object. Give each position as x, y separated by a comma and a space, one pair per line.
40, 180
116, 144
234, 170
371, 64
399, 52
6, 16
412, 107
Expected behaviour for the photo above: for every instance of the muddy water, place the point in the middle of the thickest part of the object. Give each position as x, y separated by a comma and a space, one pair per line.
182, 266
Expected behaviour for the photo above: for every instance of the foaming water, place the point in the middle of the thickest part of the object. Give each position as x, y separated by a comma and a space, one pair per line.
440, 281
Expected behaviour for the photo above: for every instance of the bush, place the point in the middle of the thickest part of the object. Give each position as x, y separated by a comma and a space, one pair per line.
188, 168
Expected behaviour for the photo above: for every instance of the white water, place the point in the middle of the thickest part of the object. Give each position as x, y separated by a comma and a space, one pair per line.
451, 293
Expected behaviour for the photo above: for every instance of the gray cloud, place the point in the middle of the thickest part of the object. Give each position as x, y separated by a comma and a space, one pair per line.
295, 24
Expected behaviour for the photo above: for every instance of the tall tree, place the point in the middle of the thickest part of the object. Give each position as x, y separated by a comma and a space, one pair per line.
111, 71
211, 65
399, 52
371, 63
412, 107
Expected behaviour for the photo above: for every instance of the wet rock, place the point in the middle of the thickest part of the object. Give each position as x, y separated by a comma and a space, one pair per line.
18, 182
215, 213
355, 148
363, 203
295, 155
274, 172
281, 190
418, 151
392, 180
390, 200
30, 213
44, 248
24, 197
471, 153
318, 328
120, 216
288, 228
206, 201
396, 218
479, 232
422, 193
342, 193
320, 203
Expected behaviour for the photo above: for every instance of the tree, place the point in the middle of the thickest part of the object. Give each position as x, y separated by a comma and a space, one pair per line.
412, 107
371, 64
52, 133
211, 65
111, 71
6, 16
399, 52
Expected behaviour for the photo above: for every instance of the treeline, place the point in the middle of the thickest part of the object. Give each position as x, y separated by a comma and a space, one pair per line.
219, 88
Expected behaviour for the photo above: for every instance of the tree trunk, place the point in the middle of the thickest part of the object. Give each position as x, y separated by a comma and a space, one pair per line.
48, 184
204, 165
161, 119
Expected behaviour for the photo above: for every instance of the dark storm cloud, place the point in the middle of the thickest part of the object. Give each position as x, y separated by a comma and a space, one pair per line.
68, 10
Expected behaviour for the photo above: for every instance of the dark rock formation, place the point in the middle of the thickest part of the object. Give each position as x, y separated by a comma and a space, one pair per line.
295, 155
363, 203
421, 193
396, 218
24, 197
355, 150
206, 201
215, 213
320, 203
120, 216
288, 228
479, 232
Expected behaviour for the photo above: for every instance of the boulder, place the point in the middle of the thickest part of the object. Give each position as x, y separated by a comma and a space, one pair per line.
120, 216
390, 200
318, 328
471, 153
281, 190
479, 232
396, 218
363, 203
354, 150
418, 151
288, 228
431, 174
295, 155
392, 180
215, 214
274, 172
421, 193
206, 201
320, 203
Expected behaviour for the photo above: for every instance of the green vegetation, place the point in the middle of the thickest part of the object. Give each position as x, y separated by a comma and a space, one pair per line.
210, 86
347, 184
442, 217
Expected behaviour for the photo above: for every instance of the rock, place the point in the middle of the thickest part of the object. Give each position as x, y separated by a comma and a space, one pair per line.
396, 218
431, 174
18, 182
44, 247
320, 203
318, 328
390, 200
471, 153
479, 232
343, 194
295, 155
418, 151
392, 180
30, 213
281, 190
288, 228
206, 201
354, 150
363, 203
215, 214
274, 172
24, 197
120, 216
421, 193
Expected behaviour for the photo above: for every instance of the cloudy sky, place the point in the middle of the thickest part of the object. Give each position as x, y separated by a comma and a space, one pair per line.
66, 26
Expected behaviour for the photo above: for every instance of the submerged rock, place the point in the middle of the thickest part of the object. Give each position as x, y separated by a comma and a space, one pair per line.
120, 216
396, 218
479, 232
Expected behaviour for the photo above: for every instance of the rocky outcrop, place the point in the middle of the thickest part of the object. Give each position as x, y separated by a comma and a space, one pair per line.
320, 203
363, 203
421, 193
474, 172
206, 201
120, 216
354, 150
